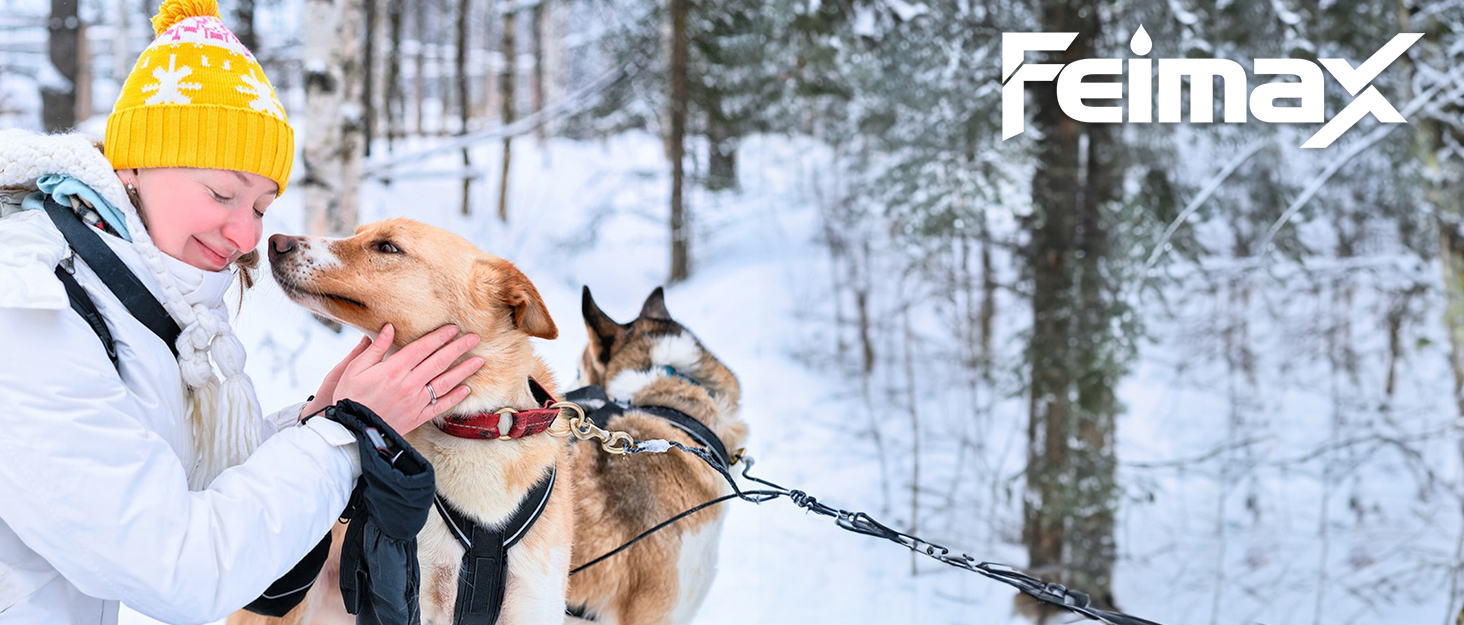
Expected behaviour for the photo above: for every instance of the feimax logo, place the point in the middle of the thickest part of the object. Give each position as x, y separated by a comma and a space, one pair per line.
1072, 90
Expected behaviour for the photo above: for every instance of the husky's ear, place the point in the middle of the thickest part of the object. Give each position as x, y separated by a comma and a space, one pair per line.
498, 278
604, 332
655, 306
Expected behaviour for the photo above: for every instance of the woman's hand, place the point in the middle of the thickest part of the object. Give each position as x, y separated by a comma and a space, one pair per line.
395, 388
326, 393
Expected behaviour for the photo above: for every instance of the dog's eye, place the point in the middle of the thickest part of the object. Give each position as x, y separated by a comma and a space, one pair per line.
386, 247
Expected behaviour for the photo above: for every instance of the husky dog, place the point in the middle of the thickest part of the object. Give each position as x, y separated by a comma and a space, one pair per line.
651, 363
418, 278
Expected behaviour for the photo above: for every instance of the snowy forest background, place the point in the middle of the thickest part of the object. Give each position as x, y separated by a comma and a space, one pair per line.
1201, 373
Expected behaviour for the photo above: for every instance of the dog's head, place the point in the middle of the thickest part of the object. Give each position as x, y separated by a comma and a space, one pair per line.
415, 276
626, 357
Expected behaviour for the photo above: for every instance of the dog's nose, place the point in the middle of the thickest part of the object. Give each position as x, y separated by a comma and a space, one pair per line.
279, 245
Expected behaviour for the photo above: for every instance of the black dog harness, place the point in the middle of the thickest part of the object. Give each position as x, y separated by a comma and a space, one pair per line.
603, 410
484, 572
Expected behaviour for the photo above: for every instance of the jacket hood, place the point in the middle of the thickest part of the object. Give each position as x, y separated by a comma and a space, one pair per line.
33, 244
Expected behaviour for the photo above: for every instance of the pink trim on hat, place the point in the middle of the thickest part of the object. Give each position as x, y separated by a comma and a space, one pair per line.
207, 30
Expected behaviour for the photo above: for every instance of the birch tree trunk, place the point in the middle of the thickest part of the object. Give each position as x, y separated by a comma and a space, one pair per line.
122, 57
537, 102
333, 146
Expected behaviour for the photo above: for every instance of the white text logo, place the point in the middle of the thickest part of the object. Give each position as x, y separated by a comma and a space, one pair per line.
1072, 90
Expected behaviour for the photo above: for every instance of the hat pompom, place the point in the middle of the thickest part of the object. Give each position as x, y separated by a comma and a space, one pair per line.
174, 11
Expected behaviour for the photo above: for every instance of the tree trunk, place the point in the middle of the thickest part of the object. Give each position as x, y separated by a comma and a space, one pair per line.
83, 75
722, 156
464, 106
122, 57
333, 150
1443, 182
394, 104
1071, 494
553, 62
537, 23
446, 84
420, 80
506, 84
680, 233
988, 296
368, 75
58, 99
244, 25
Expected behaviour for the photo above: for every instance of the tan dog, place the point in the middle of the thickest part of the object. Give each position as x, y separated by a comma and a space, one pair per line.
419, 278
651, 361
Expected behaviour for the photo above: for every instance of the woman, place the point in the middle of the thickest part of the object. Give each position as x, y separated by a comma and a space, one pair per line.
153, 481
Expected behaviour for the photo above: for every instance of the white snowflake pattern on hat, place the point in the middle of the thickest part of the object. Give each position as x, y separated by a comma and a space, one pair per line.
264, 97
170, 84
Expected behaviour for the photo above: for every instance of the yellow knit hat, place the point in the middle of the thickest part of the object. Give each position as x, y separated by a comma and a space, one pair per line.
198, 98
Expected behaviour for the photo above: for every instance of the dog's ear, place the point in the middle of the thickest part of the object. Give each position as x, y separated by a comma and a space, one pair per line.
655, 306
605, 333
498, 278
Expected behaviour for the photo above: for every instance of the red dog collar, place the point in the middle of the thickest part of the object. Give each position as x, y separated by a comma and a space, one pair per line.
506, 423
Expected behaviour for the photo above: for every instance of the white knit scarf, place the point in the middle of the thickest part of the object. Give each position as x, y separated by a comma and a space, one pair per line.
224, 416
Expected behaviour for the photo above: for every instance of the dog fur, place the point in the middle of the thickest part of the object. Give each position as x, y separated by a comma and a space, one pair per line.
663, 579
419, 278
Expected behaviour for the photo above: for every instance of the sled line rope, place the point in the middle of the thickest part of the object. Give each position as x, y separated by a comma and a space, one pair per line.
621, 443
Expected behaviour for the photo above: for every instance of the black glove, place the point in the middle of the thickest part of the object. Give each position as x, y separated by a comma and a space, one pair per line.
379, 571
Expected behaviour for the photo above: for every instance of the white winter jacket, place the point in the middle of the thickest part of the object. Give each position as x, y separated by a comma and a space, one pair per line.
94, 500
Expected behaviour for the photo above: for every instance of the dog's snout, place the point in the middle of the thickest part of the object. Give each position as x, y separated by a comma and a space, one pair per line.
279, 245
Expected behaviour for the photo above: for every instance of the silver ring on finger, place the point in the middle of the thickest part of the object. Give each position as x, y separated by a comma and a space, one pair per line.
433, 392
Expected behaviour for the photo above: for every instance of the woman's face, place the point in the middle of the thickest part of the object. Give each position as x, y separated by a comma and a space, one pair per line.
204, 217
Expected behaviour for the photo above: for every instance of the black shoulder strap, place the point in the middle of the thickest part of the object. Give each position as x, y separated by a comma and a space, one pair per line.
133, 294
83, 305
484, 573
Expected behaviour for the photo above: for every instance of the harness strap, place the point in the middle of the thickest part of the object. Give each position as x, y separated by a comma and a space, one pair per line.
601, 416
83, 305
483, 575
114, 273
